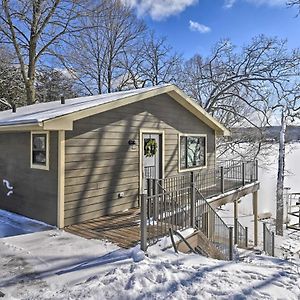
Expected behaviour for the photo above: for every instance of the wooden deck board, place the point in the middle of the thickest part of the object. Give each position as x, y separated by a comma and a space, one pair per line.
121, 228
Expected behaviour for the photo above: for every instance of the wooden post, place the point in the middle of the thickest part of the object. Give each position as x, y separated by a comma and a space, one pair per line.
143, 222
264, 237
246, 237
222, 179
230, 243
243, 174
273, 243
255, 213
61, 180
193, 201
256, 169
235, 216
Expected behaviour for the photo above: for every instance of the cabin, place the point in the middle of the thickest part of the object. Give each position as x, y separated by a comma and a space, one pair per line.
72, 161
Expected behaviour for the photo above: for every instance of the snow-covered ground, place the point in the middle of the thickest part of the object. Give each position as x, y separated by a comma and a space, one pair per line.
12, 224
54, 264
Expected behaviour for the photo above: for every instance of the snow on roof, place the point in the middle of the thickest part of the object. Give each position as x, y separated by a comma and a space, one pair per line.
36, 113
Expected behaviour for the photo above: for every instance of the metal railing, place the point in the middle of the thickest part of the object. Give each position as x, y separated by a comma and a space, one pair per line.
213, 227
162, 211
208, 182
293, 211
180, 209
226, 176
179, 202
174, 183
235, 174
240, 235
268, 240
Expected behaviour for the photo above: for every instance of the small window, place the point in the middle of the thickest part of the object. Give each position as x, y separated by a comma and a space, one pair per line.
192, 152
40, 150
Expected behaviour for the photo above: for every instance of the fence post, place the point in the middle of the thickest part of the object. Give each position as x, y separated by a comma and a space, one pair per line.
222, 179
193, 201
230, 243
246, 237
235, 231
256, 169
243, 174
155, 192
264, 237
273, 244
150, 187
143, 222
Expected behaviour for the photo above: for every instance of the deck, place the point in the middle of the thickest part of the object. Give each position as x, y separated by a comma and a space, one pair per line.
122, 228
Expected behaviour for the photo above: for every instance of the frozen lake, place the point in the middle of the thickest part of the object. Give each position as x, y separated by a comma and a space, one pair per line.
268, 175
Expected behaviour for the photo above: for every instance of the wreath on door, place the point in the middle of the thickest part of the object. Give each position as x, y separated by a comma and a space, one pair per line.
150, 147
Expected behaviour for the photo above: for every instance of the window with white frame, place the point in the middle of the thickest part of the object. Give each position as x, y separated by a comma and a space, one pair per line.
192, 151
40, 150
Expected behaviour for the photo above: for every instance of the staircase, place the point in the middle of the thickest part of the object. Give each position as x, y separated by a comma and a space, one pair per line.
176, 203
200, 244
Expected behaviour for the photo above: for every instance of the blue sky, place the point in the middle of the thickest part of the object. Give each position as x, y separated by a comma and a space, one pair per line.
211, 21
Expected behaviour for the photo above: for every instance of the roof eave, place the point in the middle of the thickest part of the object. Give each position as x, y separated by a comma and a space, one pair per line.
21, 127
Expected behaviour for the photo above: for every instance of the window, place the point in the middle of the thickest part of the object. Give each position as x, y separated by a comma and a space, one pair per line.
40, 150
192, 151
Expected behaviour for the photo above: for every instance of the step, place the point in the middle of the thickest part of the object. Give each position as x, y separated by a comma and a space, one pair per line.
201, 244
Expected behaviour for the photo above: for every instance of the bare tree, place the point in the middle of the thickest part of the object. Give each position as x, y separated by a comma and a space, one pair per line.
288, 105
231, 85
235, 86
154, 63
292, 3
96, 57
32, 27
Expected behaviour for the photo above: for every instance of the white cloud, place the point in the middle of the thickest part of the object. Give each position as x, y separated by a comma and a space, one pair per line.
230, 3
195, 26
159, 9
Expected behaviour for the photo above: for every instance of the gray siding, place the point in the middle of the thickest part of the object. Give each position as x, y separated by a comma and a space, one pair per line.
35, 191
100, 163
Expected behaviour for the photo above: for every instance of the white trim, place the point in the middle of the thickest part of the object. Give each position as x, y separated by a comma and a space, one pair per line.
21, 127
179, 150
37, 166
61, 180
141, 154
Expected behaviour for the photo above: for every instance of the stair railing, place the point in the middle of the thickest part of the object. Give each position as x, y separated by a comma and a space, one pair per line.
240, 235
213, 227
179, 202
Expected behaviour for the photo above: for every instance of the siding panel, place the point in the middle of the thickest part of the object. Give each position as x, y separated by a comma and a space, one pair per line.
100, 163
35, 191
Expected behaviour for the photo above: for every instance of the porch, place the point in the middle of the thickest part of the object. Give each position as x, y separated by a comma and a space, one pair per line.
121, 228
181, 202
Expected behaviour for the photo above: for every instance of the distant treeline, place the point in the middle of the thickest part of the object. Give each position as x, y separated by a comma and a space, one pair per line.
270, 133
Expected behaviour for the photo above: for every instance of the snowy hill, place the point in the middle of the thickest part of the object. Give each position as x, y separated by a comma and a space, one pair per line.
57, 265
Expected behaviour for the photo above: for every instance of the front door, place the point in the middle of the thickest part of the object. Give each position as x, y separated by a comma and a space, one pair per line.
152, 157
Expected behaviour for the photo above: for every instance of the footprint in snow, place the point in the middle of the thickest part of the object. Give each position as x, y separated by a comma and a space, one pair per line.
160, 278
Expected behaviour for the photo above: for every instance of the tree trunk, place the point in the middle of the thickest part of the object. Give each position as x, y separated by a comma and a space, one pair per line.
280, 176
30, 92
